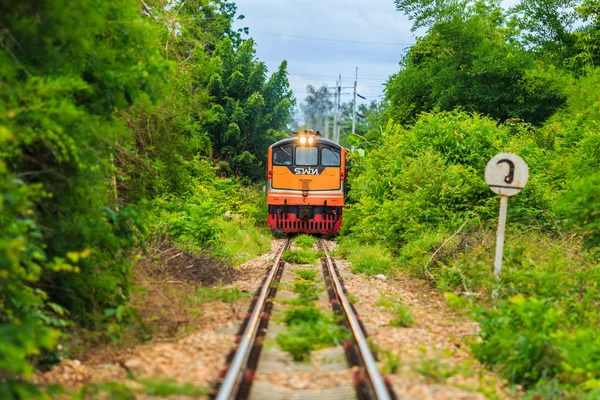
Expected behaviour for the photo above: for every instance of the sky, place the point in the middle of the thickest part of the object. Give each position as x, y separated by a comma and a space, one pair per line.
369, 34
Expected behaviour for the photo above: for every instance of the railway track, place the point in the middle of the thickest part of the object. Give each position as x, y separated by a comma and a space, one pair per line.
236, 380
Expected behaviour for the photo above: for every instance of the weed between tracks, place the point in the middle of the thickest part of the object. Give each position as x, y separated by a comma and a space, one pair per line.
305, 242
300, 256
308, 328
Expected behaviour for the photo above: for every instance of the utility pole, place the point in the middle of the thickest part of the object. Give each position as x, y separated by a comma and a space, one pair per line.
335, 108
354, 104
326, 127
338, 109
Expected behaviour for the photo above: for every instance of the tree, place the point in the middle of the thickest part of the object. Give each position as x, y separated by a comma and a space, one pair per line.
547, 27
318, 108
247, 111
471, 60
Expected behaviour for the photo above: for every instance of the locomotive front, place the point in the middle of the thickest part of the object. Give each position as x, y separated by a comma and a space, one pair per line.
305, 188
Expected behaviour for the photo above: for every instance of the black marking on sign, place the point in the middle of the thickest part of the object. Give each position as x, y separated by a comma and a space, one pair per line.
506, 187
511, 173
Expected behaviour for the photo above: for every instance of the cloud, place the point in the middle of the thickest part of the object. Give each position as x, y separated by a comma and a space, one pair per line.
272, 24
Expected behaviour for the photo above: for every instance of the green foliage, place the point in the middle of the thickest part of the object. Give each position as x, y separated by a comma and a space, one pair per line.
469, 59
63, 249
305, 242
299, 315
300, 256
371, 260
483, 80
391, 363
305, 286
160, 388
204, 295
247, 111
307, 291
402, 315
531, 323
435, 369
583, 204
307, 274
220, 215
430, 176
300, 339
107, 113
309, 328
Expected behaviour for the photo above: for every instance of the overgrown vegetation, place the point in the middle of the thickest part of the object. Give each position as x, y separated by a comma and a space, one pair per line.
370, 259
218, 294
305, 242
118, 122
300, 256
484, 80
308, 328
402, 315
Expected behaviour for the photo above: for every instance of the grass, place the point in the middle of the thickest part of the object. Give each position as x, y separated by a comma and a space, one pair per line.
308, 328
391, 362
305, 242
205, 295
300, 256
367, 259
303, 337
159, 388
307, 291
307, 274
301, 315
306, 288
435, 369
402, 315
240, 241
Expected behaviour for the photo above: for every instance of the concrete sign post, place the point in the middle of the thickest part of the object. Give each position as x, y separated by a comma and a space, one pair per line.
506, 175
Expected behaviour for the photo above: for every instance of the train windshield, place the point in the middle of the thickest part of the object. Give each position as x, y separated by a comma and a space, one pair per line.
330, 157
282, 156
307, 156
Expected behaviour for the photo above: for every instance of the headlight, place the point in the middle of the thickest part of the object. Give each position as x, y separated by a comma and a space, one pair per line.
303, 140
311, 140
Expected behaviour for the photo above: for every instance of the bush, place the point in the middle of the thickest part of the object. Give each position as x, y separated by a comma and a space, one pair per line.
417, 185
221, 215
583, 206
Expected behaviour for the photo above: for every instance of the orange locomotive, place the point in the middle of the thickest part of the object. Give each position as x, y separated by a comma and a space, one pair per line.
305, 188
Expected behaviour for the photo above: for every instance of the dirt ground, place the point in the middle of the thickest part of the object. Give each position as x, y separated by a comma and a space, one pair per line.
189, 342
433, 356
430, 358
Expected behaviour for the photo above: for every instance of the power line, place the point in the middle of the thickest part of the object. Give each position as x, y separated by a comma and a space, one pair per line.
329, 76
343, 94
332, 85
332, 40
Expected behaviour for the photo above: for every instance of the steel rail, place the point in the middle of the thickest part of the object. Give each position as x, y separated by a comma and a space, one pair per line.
235, 372
379, 387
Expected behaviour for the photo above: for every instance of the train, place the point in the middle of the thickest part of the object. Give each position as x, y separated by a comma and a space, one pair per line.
306, 184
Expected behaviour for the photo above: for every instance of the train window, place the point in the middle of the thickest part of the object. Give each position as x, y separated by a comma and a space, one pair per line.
307, 156
330, 157
282, 156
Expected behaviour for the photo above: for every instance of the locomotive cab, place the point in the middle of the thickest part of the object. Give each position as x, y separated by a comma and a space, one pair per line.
305, 188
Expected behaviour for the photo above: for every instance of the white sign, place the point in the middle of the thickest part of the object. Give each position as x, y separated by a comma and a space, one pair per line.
506, 174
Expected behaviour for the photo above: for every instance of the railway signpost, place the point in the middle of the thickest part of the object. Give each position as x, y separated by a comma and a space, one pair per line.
506, 175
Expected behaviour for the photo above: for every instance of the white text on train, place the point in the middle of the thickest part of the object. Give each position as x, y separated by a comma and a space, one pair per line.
306, 171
